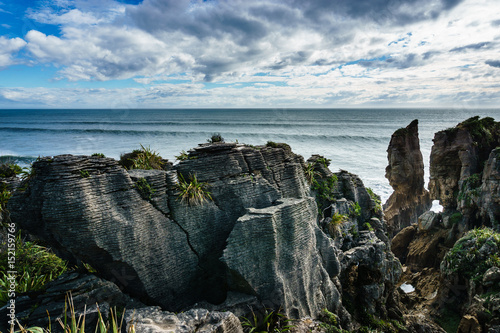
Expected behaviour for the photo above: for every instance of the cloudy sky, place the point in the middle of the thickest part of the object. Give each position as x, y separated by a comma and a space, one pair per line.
242, 53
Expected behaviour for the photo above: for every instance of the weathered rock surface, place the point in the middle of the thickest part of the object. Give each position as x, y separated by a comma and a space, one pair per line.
458, 153
276, 250
153, 320
131, 226
405, 173
489, 200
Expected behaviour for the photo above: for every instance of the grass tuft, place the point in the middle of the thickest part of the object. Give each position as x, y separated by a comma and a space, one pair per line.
192, 191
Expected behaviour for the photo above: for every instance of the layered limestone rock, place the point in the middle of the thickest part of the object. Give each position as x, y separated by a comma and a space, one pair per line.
457, 161
489, 200
134, 229
405, 173
353, 217
276, 250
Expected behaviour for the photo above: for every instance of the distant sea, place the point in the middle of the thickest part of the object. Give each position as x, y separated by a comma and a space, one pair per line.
355, 140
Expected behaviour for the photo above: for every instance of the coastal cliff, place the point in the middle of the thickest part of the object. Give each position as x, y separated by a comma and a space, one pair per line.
234, 231
405, 173
450, 258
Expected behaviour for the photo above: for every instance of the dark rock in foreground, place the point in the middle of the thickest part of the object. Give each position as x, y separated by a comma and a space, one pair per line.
132, 228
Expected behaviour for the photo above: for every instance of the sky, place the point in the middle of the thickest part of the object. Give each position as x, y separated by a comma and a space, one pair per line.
241, 53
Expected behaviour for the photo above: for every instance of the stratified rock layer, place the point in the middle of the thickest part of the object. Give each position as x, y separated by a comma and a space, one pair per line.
405, 173
132, 227
279, 249
457, 158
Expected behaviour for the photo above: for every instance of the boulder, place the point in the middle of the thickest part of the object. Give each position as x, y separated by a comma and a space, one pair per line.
428, 220
280, 254
405, 173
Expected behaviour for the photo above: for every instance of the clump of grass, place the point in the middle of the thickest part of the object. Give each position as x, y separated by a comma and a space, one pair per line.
100, 155
355, 209
376, 199
144, 158
456, 218
216, 137
5, 195
310, 173
270, 321
71, 324
325, 161
8, 170
465, 257
338, 219
182, 156
192, 191
36, 265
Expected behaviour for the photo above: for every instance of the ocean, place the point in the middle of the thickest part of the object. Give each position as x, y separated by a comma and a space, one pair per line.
355, 140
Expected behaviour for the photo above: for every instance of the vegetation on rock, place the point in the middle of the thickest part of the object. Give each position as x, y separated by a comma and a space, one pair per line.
8, 170
192, 191
376, 199
216, 137
144, 188
473, 254
144, 158
5, 195
36, 265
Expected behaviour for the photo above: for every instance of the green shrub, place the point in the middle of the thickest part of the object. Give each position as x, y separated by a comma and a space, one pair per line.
272, 144
192, 191
101, 155
355, 209
325, 161
144, 158
465, 257
326, 188
338, 219
368, 226
310, 173
36, 265
5, 195
182, 156
269, 322
330, 322
376, 199
8, 170
216, 137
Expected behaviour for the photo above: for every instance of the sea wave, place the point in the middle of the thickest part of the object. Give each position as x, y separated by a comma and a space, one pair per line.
269, 135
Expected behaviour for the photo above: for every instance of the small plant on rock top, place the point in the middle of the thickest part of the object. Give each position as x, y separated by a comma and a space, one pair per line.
182, 156
325, 161
192, 191
100, 155
144, 158
216, 137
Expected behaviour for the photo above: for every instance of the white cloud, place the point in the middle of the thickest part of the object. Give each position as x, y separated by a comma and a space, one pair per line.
319, 53
8, 47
